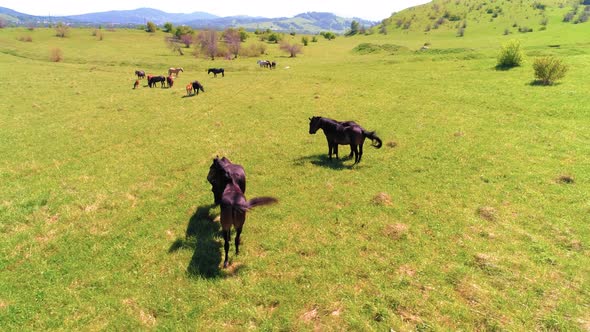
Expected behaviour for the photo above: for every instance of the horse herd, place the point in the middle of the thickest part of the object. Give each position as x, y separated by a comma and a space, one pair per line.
228, 180
168, 81
194, 86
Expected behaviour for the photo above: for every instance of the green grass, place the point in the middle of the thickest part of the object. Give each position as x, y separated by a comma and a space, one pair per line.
105, 209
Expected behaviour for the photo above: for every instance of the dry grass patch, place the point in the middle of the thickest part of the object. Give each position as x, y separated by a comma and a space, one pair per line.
56, 55
382, 199
487, 212
565, 179
396, 231
146, 318
392, 144
310, 315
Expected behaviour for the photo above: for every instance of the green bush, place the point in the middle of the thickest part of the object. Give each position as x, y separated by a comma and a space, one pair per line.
510, 55
548, 70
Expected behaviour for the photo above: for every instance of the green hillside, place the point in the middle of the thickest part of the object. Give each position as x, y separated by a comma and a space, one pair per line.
474, 215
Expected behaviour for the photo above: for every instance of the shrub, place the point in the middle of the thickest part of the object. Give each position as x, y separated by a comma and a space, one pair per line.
510, 55
56, 55
62, 30
548, 70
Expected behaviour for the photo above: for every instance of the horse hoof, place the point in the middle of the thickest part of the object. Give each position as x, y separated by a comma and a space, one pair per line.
225, 265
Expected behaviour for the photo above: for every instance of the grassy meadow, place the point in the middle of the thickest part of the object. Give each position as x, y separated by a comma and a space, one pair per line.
474, 215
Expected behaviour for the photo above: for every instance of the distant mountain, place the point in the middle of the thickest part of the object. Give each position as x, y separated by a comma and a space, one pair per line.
141, 16
312, 22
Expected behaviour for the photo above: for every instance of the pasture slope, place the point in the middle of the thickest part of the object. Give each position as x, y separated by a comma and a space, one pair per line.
466, 219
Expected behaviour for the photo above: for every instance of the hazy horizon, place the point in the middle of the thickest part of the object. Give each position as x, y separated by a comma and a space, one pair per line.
374, 10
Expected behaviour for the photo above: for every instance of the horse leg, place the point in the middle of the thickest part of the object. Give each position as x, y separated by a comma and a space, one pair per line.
360, 152
351, 152
356, 153
226, 239
237, 240
336, 150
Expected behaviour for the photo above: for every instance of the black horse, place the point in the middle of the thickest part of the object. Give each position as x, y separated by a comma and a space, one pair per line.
343, 133
140, 74
197, 86
216, 71
155, 79
223, 171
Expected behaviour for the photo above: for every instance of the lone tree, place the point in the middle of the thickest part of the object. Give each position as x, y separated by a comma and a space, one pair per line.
62, 30
293, 49
151, 27
168, 27
354, 28
233, 40
207, 40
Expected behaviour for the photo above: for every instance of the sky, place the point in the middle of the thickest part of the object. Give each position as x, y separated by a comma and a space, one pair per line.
374, 10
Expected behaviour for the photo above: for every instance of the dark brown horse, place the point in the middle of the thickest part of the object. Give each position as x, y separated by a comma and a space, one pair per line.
232, 200
216, 71
233, 212
221, 173
197, 86
155, 79
343, 133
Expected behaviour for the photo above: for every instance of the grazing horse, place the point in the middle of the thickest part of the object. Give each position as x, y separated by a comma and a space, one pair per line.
170, 81
140, 74
155, 79
216, 71
264, 63
221, 173
273, 65
136, 84
197, 86
233, 203
189, 89
343, 133
175, 71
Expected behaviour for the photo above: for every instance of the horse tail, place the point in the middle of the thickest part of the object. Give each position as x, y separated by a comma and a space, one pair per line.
376, 140
259, 201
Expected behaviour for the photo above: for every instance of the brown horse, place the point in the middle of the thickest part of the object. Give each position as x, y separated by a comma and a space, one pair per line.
140, 74
175, 71
343, 133
189, 89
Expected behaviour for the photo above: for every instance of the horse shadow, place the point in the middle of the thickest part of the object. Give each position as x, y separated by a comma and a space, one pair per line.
322, 160
202, 236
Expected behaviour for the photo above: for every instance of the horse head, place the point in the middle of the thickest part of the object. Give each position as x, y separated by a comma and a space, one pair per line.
314, 124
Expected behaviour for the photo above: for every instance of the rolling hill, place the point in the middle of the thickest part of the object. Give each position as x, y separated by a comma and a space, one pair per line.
311, 22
